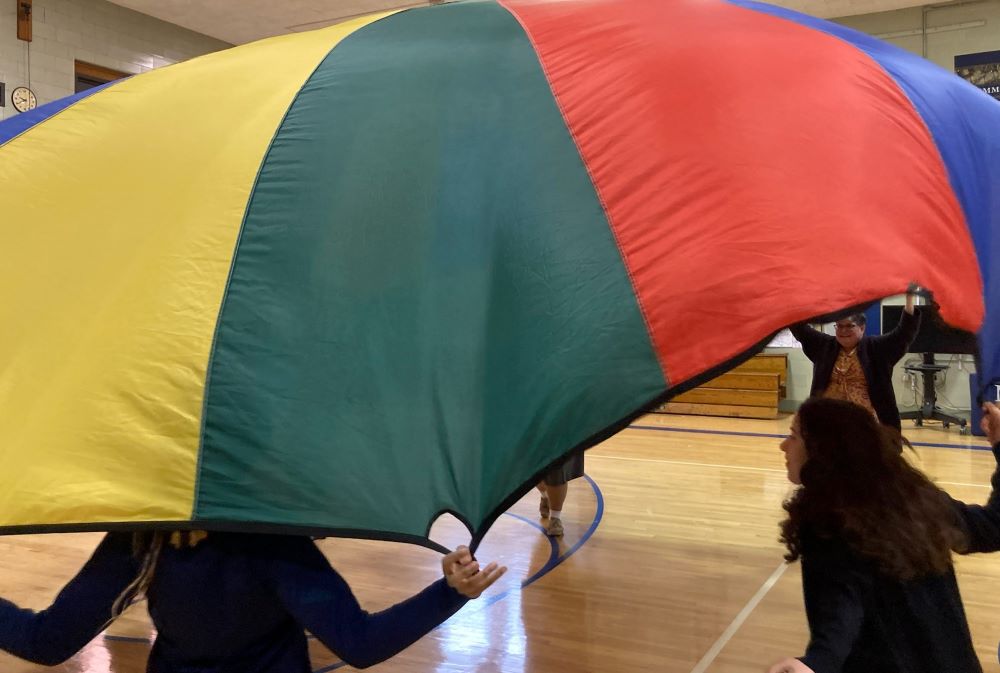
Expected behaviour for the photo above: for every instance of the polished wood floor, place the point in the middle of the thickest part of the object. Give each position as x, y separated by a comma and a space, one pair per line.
670, 563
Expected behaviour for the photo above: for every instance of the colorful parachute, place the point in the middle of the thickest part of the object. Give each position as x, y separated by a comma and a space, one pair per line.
343, 281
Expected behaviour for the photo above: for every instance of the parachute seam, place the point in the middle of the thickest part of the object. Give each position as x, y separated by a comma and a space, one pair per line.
600, 196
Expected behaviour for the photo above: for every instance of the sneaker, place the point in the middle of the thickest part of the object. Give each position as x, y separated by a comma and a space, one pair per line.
555, 528
543, 507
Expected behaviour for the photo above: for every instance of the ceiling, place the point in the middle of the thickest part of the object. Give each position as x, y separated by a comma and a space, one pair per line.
239, 21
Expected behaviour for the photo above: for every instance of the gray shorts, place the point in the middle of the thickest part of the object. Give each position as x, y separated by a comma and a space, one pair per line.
569, 469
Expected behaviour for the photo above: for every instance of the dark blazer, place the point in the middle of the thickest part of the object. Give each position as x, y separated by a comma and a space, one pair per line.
877, 354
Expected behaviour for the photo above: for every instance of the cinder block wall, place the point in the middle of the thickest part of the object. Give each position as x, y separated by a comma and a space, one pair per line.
94, 31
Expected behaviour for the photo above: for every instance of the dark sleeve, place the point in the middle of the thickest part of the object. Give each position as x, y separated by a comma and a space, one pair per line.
322, 602
812, 340
80, 611
982, 522
834, 582
892, 346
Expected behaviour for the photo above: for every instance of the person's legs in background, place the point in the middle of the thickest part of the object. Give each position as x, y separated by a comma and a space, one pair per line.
554, 488
550, 507
543, 504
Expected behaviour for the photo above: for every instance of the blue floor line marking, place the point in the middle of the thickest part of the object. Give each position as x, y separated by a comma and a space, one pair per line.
554, 557
554, 560
550, 563
598, 515
530, 522
667, 428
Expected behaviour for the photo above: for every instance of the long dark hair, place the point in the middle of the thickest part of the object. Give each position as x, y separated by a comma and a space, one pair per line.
858, 486
146, 548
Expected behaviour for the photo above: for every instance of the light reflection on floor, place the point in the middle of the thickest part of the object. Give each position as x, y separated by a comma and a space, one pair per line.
470, 633
94, 658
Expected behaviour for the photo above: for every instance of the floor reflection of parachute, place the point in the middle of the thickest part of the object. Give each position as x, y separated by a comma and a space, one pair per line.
342, 281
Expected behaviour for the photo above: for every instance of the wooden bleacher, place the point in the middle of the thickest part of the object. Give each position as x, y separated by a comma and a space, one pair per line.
750, 390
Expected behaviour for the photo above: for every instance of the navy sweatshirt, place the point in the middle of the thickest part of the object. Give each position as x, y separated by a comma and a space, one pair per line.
235, 603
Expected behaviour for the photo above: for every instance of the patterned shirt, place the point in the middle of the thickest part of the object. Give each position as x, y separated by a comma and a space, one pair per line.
847, 382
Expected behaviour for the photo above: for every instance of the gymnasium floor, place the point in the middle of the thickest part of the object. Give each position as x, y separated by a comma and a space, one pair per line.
670, 563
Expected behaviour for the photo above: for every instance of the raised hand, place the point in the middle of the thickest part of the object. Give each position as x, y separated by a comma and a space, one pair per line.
990, 423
